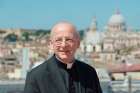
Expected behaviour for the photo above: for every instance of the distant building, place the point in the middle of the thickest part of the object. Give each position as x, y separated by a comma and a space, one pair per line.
115, 42
92, 38
113, 46
116, 23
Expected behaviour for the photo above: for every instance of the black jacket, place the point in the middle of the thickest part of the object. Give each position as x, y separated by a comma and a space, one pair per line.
47, 79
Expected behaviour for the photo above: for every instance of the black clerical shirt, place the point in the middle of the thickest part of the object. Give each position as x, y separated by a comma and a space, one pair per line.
70, 77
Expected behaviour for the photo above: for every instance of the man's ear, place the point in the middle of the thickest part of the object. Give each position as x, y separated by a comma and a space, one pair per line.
50, 46
78, 43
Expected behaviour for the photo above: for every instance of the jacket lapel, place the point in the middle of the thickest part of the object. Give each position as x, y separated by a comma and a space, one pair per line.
82, 80
55, 77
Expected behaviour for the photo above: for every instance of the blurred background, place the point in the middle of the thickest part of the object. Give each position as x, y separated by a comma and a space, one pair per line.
109, 32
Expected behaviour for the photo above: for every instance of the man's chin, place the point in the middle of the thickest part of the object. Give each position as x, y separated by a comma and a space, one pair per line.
64, 57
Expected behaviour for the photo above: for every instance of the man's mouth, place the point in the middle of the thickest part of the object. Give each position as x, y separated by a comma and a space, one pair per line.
64, 51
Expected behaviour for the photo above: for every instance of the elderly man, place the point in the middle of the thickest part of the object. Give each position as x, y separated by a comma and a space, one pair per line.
62, 73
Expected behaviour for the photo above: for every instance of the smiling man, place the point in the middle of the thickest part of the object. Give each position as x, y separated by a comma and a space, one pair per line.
65, 40
62, 73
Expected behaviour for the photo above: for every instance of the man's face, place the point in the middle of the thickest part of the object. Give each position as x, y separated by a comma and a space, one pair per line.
65, 43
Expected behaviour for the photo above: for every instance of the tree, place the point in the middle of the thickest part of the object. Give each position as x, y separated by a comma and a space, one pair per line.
25, 36
11, 37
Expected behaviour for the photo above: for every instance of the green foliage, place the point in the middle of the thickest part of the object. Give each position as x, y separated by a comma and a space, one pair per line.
11, 37
41, 32
25, 36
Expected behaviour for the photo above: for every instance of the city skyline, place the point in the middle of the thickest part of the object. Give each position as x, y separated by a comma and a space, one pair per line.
43, 14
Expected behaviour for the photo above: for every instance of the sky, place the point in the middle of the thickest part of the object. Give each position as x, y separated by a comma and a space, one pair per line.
43, 14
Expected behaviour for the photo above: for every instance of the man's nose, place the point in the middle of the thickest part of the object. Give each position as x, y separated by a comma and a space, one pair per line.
63, 43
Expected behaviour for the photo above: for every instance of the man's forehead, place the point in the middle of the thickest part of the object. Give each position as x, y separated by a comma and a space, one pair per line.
61, 34
64, 29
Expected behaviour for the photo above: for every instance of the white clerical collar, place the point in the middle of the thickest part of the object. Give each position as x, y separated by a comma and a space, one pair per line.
69, 65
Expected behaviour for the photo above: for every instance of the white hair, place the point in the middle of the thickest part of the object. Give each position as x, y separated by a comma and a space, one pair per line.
76, 33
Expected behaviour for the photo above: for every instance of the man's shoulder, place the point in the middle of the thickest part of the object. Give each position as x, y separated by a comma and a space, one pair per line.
86, 70
84, 65
40, 69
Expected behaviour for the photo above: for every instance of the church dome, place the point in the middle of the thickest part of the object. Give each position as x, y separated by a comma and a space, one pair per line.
116, 23
93, 38
117, 18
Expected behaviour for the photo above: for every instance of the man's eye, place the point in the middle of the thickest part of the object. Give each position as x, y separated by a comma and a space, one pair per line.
58, 40
69, 40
